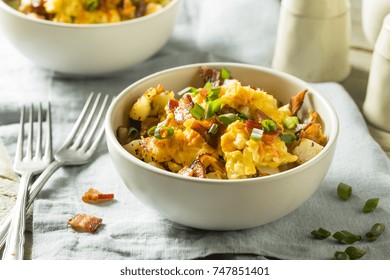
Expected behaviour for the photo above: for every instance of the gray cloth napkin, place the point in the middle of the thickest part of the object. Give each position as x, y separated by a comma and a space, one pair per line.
132, 231
206, 31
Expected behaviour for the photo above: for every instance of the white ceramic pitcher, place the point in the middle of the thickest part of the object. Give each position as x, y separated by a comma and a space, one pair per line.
376, 106
313, 39
373, 13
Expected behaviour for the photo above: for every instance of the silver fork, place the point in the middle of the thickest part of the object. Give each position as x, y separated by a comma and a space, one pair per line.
77, 149
27, 165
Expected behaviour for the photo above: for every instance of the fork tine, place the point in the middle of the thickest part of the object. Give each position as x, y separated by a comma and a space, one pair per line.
98, 118
78, 122
48, 147
81, 135
38, 149
30, 134
99, 136
19, 145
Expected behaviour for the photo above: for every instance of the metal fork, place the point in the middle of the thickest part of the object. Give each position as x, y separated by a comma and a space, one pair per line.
77, 149
27, 165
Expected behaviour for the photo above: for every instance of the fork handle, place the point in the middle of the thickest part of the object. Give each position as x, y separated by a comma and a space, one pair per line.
14, 248
34, 190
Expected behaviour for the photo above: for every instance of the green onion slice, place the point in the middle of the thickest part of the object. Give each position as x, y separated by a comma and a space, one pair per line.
132, 131
213, 129
344, 191
291, 122
370, 205
197, 111
91, 5
186, 90
288, 138
213, 94
163, 132
243, 116
321, 233
346, 237
355, 253
257, 134
376, 231
228, 118
212, 108
208, 85
341, 256
151, 130
269, 126
225, 74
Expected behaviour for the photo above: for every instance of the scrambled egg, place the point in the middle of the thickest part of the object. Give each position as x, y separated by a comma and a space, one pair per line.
90, 11
186, 132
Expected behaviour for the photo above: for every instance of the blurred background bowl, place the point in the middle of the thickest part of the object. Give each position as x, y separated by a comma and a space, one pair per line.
221, 204
88, 49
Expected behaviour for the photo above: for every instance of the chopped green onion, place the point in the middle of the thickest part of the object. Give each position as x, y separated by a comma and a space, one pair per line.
269, 126
151, 130
341, 256
346, 237
213, 94
344, 191
212, 108
132, 132
370, 205
225, 74
228, 118
213, 129
256, 134
355, 253
288, 138
186, 90
197, 111
243, 116
163, 132
376, 231
91, 5
291, 122
321, 233
208, 85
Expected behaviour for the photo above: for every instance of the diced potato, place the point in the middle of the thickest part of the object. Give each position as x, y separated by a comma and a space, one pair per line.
306, 150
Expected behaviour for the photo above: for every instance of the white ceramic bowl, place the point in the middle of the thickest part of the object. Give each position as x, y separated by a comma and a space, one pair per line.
88, 49
221, 204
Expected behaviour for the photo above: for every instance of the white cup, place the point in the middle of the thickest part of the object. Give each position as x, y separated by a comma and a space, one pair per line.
313, 39
373, 13
376, 106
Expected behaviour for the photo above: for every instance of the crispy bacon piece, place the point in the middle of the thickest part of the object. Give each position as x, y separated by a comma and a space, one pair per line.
202, 163
182, 111
210, 75
314, 133
202, 127
94, 196
172, 104
297, 101
261, 116
85, 223
195, 170
251, 124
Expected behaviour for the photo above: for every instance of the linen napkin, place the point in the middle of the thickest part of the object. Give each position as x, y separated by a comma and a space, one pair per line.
132, 231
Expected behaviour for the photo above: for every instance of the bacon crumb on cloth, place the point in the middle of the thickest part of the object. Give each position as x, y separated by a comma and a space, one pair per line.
85, 223
94, 196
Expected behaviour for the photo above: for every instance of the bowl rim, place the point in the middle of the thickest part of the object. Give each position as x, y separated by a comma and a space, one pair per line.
23, 16
332, 138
